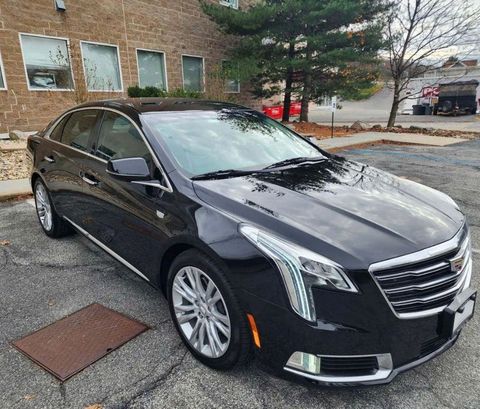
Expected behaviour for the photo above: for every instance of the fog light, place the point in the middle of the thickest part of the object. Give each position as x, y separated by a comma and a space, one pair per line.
304, 362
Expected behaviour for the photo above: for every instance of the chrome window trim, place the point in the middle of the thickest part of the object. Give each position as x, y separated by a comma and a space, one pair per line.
420, 256
107, 249
168, 188
385, 368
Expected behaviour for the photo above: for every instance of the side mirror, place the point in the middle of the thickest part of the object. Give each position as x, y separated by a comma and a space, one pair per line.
129, 169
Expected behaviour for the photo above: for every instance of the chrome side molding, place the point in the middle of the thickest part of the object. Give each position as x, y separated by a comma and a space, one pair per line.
107, 249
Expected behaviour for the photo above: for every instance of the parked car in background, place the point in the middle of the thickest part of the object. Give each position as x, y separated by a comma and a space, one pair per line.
327, 270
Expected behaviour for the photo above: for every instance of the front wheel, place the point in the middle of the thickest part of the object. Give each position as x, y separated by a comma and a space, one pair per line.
206, 312
52, 224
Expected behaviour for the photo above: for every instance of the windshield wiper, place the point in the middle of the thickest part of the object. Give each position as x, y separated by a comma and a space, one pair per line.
295, 161
219, 174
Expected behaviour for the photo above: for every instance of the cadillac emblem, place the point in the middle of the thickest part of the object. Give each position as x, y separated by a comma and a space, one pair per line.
456, 264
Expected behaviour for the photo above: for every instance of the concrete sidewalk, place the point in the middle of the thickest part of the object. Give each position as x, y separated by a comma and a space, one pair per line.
16, 187
372, 137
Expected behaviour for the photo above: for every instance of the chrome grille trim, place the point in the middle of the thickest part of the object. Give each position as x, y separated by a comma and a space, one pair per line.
416, 273
409, 292
424, 286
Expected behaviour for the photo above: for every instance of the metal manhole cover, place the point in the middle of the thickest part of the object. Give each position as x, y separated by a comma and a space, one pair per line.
71, 344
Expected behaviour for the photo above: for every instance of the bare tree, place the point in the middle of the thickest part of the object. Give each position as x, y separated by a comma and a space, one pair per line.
418, 31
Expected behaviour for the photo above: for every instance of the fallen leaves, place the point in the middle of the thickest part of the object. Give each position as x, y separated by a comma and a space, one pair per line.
14, 165
5, 243
94, 406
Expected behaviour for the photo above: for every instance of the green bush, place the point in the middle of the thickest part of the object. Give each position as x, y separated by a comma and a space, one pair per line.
138, 92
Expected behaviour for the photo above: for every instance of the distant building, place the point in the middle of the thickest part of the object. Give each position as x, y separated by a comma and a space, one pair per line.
54, 54
423, 89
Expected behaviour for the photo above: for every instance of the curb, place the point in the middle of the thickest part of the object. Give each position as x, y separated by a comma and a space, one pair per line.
13, 188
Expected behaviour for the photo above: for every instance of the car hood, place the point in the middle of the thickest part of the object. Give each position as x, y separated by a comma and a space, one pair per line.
352, 213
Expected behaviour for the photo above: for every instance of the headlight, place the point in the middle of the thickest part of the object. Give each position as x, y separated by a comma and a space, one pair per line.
301, 269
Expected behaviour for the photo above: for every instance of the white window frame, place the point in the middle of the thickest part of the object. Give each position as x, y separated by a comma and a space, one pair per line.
203, 69
2, 70
25, 65
232, 92
164, 64
228, 4
119, 66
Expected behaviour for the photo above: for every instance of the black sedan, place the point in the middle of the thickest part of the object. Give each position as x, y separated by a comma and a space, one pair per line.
326, 270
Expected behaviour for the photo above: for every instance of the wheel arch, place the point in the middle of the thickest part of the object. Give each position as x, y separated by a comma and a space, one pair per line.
35, 176
174, 250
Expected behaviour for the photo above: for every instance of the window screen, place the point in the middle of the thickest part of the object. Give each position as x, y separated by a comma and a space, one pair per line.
2, 79
101, 67
230, 3
193, 73
119, 139
47, 62
79, 128
232, 76
151, 69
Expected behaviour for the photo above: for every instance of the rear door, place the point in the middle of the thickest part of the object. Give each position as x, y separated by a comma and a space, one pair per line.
126, 217
69, 145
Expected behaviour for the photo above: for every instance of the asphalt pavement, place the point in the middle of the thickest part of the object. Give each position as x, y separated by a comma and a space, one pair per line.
43, 280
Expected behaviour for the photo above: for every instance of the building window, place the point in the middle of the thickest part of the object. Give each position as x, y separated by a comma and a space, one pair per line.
231, 75
151, 69
3, 81
230, 3
101, 66
47, 62
193, 73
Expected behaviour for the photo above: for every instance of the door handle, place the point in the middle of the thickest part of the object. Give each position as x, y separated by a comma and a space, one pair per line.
49, 159
87, 180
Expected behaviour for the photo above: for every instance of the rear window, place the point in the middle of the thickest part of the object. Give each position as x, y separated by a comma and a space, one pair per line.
56, 134
79, 128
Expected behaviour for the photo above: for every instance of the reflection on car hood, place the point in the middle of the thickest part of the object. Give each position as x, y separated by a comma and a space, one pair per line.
343, 209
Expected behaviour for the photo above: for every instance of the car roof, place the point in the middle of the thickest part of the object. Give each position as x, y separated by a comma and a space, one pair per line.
143, 105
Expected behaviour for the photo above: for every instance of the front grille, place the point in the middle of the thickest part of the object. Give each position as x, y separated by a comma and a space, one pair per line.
349, 366
425, 285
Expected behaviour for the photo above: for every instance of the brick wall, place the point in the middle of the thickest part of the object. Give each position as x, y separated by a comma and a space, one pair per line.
174, 27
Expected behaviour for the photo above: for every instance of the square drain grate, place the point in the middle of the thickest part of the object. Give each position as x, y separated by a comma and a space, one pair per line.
71, 344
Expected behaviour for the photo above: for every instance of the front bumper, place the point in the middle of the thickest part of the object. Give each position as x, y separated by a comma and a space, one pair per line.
349, 327
385, 374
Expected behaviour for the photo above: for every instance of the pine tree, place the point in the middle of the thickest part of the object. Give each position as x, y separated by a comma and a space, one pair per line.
307, 48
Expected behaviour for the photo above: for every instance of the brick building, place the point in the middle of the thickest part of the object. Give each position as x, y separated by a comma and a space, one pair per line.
51, 59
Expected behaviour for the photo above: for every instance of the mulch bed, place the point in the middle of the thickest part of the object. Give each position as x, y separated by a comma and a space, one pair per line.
325, 132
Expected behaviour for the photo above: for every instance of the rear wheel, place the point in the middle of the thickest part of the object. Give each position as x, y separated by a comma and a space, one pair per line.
206, 312
52, 224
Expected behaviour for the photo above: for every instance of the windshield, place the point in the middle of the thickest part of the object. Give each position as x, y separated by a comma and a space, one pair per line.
210, 141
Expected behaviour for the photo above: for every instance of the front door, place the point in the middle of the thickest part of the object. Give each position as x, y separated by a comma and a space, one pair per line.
125, 216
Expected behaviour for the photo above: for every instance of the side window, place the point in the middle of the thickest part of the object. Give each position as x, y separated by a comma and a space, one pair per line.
78, 129
118, 138
56, 134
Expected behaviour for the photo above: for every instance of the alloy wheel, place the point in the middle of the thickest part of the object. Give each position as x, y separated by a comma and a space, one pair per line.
44, 209
201, 312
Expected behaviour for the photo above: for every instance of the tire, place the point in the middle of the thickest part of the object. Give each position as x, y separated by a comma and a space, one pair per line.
52, 224
190, 266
